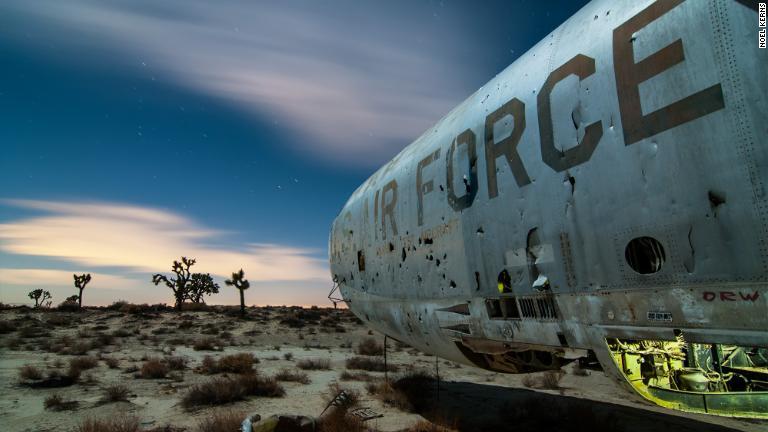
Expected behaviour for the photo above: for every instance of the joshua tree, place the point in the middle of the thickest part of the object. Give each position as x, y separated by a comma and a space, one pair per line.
199, 285
40, 297
241, 283
80, 282
180, 284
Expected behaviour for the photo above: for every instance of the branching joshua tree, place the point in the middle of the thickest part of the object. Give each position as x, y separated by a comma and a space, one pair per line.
201, 285
41, 297
80, 283
241, 283
180, 284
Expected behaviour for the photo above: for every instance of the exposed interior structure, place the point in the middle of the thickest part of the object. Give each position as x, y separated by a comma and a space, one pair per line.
710, 378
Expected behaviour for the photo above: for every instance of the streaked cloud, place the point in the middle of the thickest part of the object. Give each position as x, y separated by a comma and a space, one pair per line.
138, 239
325, 72
49, 278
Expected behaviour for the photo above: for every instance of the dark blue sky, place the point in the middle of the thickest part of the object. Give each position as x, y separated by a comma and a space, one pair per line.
233, 131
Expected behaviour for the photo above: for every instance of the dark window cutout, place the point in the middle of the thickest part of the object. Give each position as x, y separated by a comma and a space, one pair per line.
510, 309
494, 308
505, 282
561, 338
360, 261
645, 255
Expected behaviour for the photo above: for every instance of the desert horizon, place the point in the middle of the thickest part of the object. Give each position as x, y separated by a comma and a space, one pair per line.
128, 367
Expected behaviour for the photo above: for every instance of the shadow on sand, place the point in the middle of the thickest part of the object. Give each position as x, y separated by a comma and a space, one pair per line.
484, 407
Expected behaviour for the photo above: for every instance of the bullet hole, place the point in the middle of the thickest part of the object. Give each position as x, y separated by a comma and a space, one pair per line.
428, 241
477, 281
480, 230
437, 262
645, 255
443, 276
716, 199
572, 180
452, 284
403, 255
377, 274
391, 247
418, 278
441, 188
445, 255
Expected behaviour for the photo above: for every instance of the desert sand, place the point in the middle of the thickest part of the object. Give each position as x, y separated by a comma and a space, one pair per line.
109, 349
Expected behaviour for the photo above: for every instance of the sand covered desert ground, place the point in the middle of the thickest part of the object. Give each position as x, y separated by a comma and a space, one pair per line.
147, 369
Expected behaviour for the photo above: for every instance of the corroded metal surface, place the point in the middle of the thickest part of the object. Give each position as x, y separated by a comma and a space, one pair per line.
615, 174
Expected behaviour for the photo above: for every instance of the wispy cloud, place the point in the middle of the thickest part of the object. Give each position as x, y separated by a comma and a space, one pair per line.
351, 91
138, 239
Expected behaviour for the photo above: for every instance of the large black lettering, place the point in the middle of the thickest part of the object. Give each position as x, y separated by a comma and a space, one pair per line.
506, 146
581, 66
629, 75
423, 188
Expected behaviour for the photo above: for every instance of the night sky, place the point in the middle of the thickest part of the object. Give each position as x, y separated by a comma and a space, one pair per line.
132, 133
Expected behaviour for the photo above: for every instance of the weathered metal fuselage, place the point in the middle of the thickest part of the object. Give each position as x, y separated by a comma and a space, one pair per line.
604, 195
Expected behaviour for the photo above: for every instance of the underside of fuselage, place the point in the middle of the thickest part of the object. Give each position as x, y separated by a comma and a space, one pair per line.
685, 369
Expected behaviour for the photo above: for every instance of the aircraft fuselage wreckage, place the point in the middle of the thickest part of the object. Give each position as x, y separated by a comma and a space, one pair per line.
602, 199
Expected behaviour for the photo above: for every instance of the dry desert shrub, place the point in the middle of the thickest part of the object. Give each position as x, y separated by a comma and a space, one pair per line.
153, 369
221, 420
176, 363
30, 373
83, 362
255, 385
120, 423
288, 356
111, 362
286, 374
207, 344
56, 402
387, 393
237, 363
314, 364
219, 391
369, 347
116, 393
369, 364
